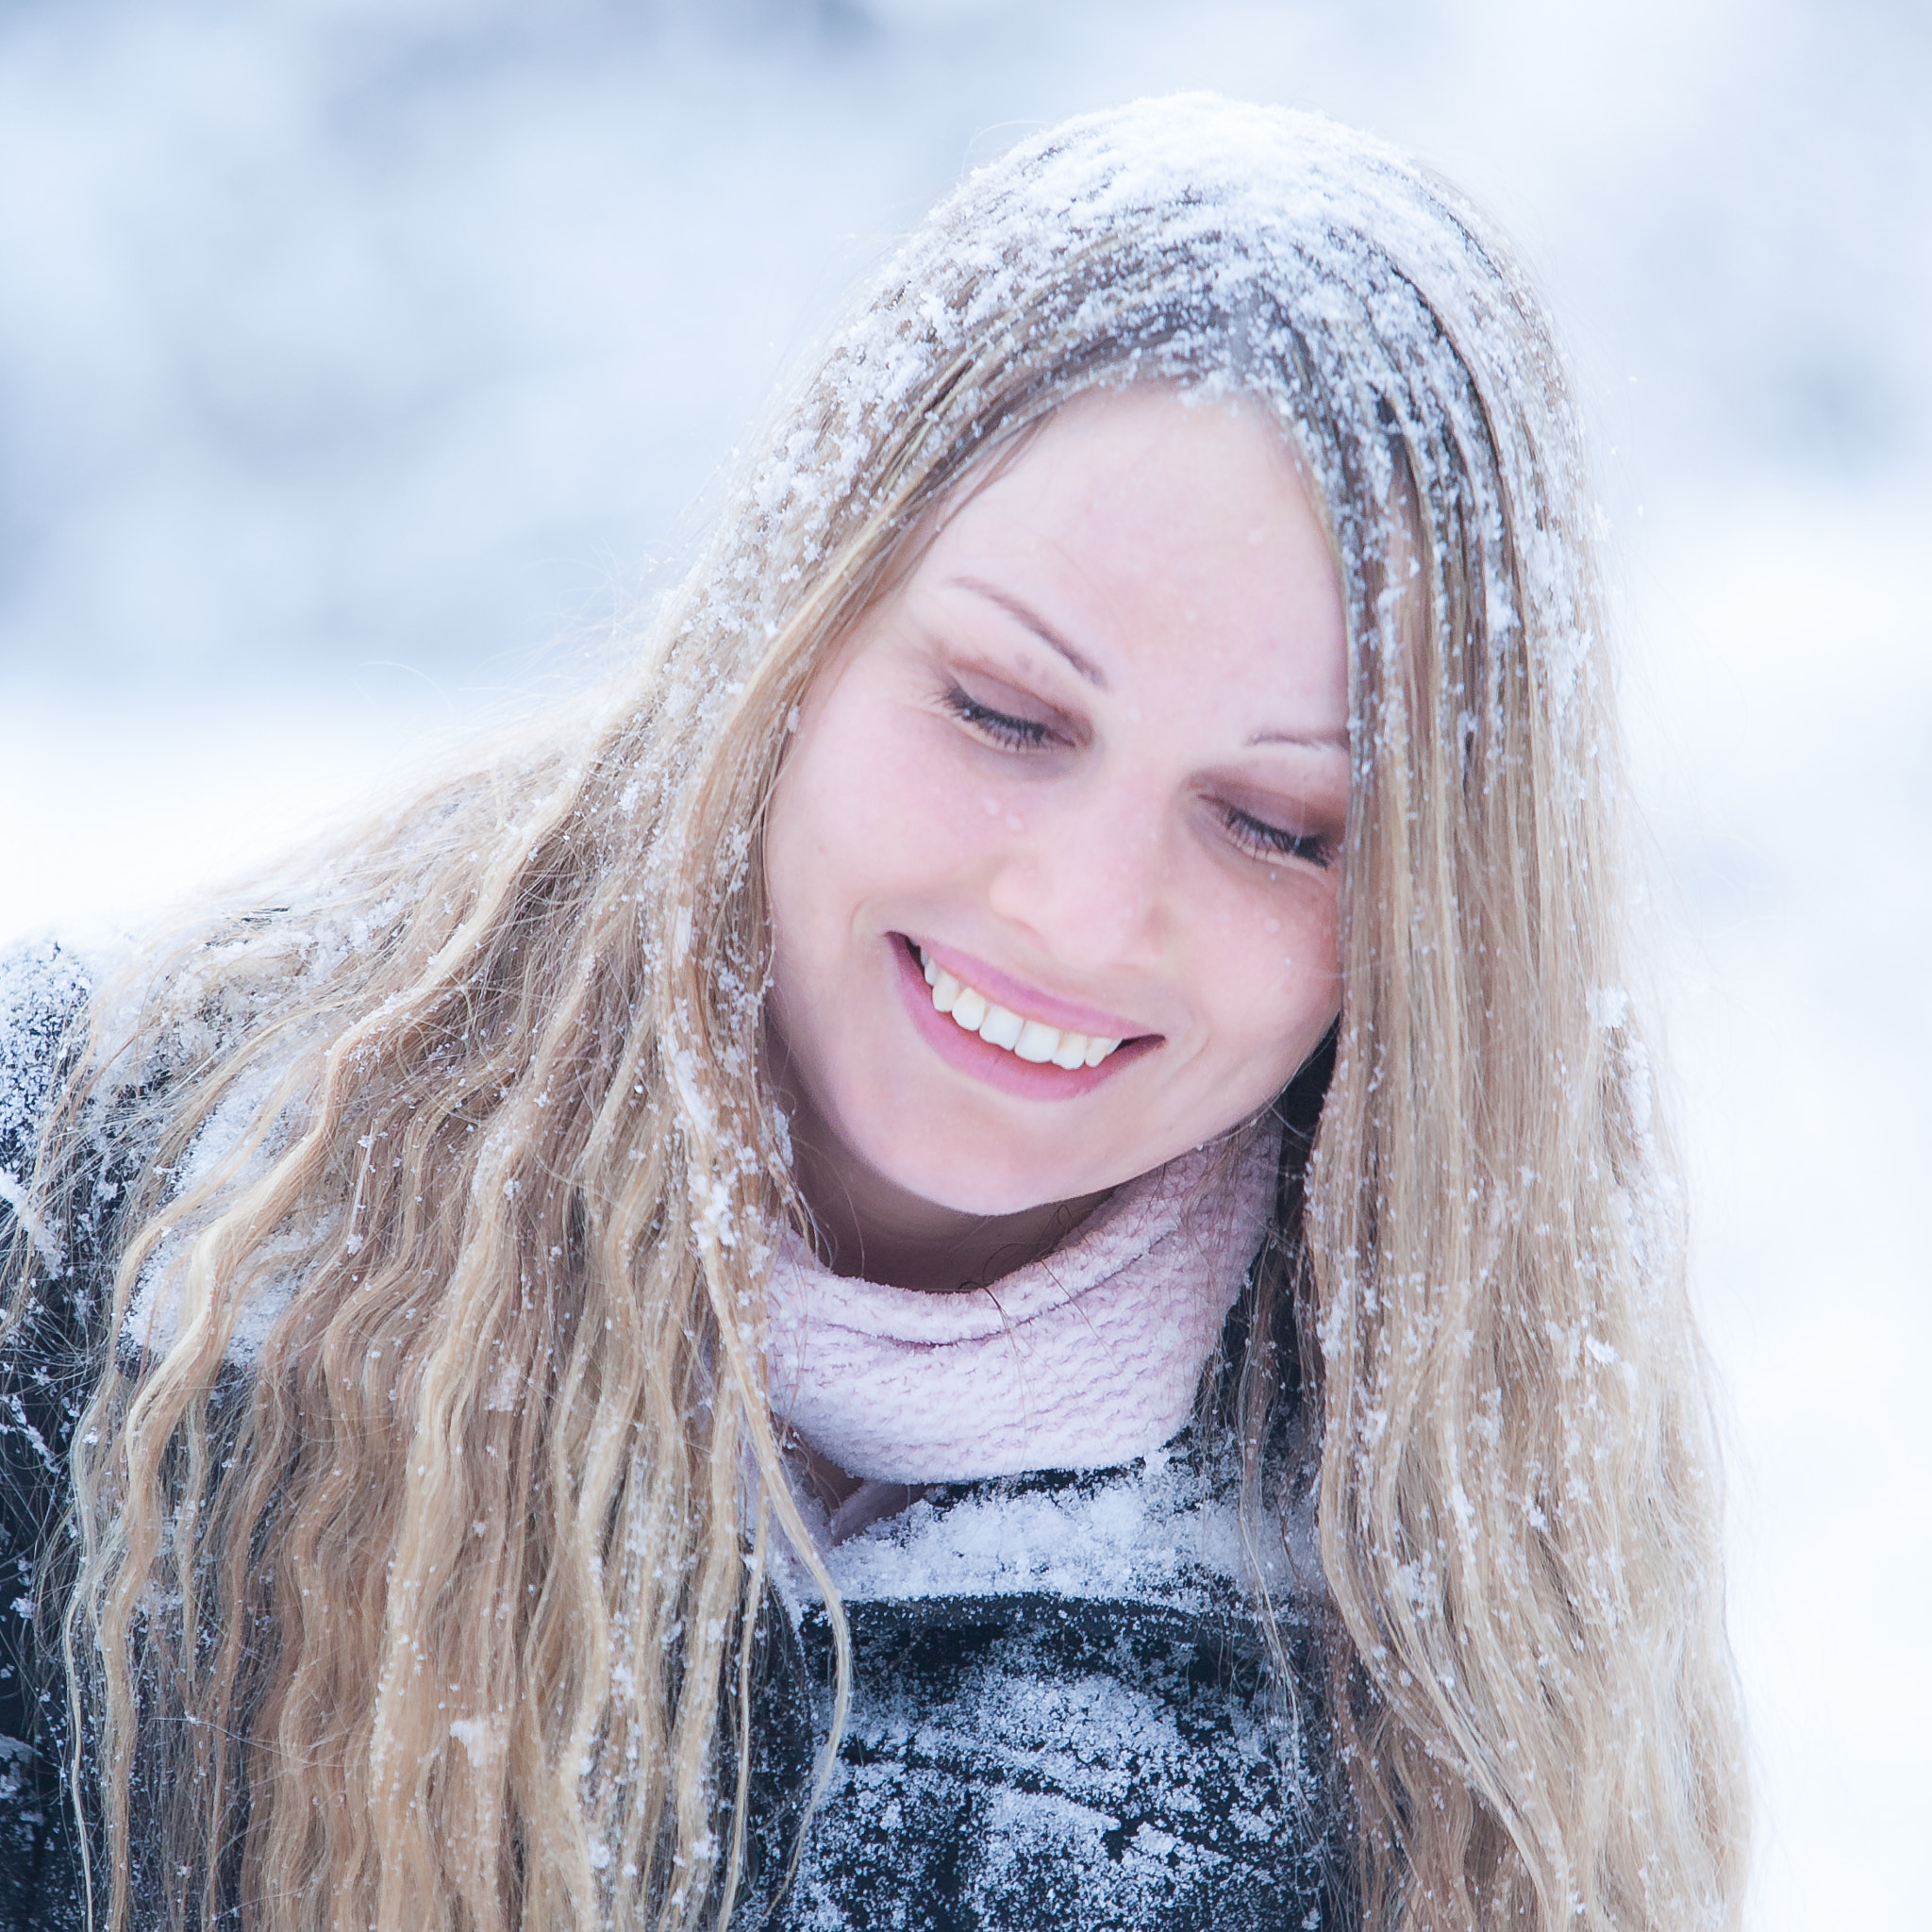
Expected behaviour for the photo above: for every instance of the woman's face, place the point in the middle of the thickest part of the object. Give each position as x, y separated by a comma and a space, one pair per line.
1081, 779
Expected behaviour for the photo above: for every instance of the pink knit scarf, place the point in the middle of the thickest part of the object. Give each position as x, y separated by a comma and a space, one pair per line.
1082, 1360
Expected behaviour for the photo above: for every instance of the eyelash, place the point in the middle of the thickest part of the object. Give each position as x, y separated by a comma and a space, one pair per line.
1263, 840
1015, 734
1254, 836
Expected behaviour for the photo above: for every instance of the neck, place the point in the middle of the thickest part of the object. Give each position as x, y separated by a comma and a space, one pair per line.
868, 1226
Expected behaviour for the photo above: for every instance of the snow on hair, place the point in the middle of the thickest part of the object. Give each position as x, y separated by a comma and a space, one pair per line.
471, 1556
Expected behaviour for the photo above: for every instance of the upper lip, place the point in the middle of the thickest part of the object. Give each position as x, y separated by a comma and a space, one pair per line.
1070, 1016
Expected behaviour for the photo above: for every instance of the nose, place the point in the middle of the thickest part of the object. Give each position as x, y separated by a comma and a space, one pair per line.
1085, 877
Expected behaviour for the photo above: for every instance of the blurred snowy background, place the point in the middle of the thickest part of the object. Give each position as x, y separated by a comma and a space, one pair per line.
354, 352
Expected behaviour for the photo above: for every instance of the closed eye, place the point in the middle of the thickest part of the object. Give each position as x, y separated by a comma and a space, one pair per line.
1015, 734
1263, 840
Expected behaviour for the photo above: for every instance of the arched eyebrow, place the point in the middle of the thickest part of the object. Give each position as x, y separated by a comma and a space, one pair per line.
1023, 613
1306, 740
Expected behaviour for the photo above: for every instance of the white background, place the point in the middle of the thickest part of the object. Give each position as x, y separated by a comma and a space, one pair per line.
354, 352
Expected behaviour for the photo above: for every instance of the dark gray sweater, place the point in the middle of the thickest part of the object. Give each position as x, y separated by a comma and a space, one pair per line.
44, 1377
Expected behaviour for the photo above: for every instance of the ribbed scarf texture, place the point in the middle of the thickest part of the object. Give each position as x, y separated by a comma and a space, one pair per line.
1084, 1359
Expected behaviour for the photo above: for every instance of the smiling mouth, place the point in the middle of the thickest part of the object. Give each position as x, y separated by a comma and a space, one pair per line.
1032, 1040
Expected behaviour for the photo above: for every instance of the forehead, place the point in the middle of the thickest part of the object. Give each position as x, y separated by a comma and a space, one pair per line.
1146, 518
1144, 444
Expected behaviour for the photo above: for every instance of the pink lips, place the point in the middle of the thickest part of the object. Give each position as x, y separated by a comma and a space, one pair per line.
994, 1064
1070, 1016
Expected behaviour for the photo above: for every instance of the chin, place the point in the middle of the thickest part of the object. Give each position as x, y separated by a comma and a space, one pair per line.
992, 1195
1004, 1181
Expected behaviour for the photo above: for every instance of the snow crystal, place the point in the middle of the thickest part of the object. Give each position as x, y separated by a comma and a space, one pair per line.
1607, 1006
476, 1737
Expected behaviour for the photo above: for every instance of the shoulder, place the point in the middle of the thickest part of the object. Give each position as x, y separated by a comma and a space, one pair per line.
43, 990
43, 1378
47, 1252
51, 1247
58, 1243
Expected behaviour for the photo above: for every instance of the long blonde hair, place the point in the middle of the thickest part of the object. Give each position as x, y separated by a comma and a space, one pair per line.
442, 1612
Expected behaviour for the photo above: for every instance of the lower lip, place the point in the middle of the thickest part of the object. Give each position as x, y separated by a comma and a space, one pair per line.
997, 1067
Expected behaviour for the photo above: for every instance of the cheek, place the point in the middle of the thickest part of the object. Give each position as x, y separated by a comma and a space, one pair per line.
1270, 972
875, 802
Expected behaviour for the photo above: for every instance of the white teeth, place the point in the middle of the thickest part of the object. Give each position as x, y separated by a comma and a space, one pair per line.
1072, 1050
1000, 1027
1029, 1040
1036, 1043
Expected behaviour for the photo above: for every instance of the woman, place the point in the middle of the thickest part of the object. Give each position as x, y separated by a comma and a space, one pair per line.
991, 1248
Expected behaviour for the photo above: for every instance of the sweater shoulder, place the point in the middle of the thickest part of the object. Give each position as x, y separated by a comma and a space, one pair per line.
43, 990
45, 1375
